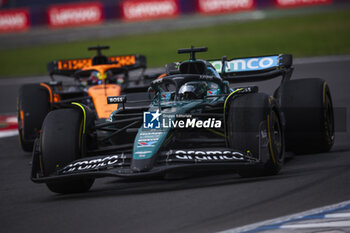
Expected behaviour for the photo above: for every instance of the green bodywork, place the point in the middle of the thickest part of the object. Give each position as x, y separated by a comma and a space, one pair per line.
169, 109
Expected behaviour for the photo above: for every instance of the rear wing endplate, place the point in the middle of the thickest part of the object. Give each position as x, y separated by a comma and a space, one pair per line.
68, 67
251, 69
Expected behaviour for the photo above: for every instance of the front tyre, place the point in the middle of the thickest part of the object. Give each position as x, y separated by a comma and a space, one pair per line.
32, 106
254, 126
60, 144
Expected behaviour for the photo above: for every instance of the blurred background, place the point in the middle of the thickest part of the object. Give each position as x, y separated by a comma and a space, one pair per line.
35, 32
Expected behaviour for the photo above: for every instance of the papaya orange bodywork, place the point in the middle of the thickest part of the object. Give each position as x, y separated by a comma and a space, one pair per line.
56, 98
49, 90
161, 76
76, 64
99, 95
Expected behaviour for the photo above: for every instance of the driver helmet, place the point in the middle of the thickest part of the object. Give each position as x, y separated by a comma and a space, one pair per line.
108, 76
97, 78
193, 90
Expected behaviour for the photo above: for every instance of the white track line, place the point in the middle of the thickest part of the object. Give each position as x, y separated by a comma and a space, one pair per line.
279, 220
317, 225
8, 133
340, 215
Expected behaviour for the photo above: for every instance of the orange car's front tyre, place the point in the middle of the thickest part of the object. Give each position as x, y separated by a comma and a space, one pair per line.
32, 106
60, 144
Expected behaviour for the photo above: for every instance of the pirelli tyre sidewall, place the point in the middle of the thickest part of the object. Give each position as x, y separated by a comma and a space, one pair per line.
33, 104
61, 142
308, 109
255, 125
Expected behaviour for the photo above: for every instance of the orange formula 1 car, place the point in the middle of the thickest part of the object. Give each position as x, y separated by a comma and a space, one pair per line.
92, 80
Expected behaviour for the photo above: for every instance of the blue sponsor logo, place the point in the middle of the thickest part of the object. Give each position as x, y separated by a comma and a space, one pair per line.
247, 64
151, 120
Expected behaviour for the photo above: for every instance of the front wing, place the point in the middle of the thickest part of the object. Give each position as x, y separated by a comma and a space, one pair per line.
118, 165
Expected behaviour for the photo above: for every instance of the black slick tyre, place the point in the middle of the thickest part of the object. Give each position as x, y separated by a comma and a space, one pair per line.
308, 110
32, 106
60, 143
254, 123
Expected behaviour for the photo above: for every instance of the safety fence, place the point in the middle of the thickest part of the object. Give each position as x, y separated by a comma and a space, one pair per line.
97, 12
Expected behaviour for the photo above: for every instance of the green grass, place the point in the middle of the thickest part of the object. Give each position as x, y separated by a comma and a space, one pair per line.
310, 35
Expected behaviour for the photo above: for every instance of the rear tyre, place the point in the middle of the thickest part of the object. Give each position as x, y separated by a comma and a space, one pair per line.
33, 105
254, 126
61, 143
308, 109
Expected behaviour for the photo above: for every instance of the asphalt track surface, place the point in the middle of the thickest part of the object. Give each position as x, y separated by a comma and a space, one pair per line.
203, 203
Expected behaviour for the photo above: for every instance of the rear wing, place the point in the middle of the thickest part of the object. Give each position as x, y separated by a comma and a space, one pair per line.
252, 69
68, 67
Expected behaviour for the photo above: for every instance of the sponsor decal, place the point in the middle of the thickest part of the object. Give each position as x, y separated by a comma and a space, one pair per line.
154, 120
14, 20
152, 136
142, 154
213, 92
224, 6
216, 155
94, 164
146, 139
146, 143
149, 9
166, 96
293, 3
116, 99
127, 60
155, 134
75, 64
247, 64
75, 14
